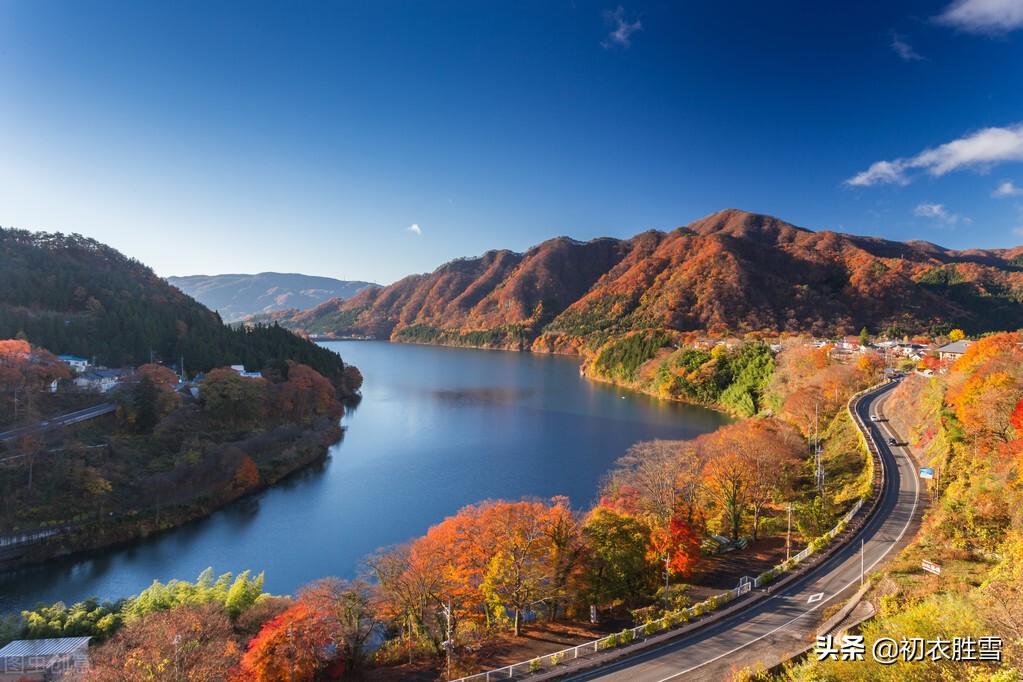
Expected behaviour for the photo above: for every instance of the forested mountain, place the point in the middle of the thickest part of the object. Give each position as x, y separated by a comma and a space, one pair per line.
75, 295
731, 272
237, 297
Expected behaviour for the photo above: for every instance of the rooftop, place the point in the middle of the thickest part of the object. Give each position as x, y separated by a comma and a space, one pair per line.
43, 647
955, 347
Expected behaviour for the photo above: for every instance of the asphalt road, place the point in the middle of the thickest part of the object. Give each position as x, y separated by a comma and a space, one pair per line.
787, 622
57, 422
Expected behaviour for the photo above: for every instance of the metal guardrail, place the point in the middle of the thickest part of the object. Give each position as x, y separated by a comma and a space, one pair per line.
27, 538
681, 617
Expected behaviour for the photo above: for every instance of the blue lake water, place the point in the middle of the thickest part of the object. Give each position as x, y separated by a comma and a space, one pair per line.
438, 428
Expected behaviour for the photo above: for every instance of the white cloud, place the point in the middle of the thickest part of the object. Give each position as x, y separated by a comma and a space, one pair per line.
904, 49
937, 212
1006, 189
621, 29
983, 16
979, 150
415, 229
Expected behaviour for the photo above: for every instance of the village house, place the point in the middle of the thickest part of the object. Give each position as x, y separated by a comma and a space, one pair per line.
74, 362
64, 658
102, 380
241, 372
951, 352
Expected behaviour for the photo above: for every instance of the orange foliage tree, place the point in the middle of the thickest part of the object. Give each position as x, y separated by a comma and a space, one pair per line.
291, 646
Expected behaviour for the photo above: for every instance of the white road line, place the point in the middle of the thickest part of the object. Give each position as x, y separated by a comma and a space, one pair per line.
916, 499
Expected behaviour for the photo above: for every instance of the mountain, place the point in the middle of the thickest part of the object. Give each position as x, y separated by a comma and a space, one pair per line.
237, 297
75, 295
731, 272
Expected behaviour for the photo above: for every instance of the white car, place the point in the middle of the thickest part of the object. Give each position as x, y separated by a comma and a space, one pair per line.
874, 418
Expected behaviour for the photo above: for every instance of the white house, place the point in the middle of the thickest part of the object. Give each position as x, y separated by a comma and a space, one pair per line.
241, 371
74, 362
102, 380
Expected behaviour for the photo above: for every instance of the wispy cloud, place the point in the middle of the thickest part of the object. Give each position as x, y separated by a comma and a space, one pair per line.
1006, 188
621, 28
979, 150
904, 49
1018, 231
937, 212
992, 17
414, 229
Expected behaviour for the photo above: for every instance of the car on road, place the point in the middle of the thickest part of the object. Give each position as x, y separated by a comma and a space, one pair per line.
874, 418
892, 441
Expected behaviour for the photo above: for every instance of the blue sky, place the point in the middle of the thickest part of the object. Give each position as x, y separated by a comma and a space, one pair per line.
219, 137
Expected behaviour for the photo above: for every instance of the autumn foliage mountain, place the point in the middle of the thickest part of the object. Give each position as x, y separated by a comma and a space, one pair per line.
731, 272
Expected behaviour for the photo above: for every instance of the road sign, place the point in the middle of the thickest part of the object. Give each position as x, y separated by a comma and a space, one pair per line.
926, 472
931, 567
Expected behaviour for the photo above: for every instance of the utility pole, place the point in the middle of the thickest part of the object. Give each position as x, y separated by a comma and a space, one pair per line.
817, 451
788, 535
667, 561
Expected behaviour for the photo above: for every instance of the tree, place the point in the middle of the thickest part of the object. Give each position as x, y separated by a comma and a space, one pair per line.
864, 337
194, 643
956, 335
665, 475
728, 484
675, 544
517, 573
306, 394
346, 606
289, 647
231, 398
617, 568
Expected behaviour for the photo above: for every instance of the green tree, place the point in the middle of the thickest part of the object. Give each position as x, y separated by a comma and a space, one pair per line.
233, 399
617, 568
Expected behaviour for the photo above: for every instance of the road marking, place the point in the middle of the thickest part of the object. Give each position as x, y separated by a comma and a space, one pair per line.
815, 597
916, 499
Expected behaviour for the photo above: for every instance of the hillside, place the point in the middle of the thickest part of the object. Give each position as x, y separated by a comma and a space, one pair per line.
731, 272
74, 295
238, 296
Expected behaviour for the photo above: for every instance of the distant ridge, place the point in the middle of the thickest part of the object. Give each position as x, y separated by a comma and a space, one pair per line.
239, 296
730, 272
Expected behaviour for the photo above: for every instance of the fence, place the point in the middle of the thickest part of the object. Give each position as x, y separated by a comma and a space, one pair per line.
26, 538
683, 616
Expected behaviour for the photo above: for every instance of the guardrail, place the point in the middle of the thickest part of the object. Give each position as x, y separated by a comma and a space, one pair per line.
27, 538
683, 616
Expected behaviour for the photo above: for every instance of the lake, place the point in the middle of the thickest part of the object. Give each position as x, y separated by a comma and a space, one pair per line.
438, 428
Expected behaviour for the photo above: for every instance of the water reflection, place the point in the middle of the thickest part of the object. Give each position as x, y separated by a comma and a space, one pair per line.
438, 428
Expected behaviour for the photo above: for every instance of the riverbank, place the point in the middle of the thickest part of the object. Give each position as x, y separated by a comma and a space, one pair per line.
280, 453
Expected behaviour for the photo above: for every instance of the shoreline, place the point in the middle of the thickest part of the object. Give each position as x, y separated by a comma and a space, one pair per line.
142, 524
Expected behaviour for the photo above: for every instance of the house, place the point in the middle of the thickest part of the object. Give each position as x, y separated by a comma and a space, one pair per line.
65, 658
102, 380
250, 375
953, 351
74, 362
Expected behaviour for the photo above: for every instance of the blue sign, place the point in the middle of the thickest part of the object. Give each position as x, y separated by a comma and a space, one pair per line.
926, 472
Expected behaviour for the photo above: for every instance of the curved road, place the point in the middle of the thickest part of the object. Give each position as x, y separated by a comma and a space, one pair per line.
786, 623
